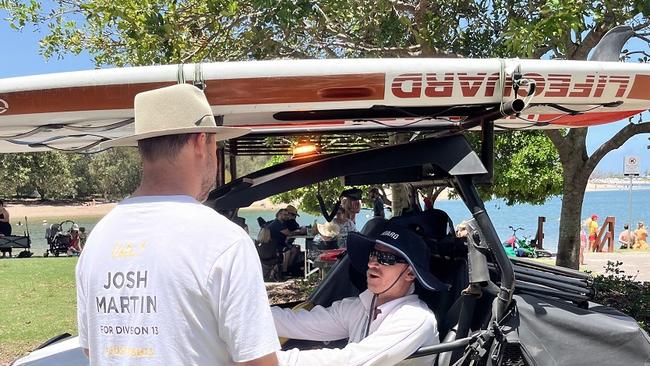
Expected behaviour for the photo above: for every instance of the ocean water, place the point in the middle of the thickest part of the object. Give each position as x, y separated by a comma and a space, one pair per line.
603, 203
38, 225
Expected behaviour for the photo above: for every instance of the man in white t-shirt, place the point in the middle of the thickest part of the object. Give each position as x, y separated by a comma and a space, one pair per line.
386, 323
163, 279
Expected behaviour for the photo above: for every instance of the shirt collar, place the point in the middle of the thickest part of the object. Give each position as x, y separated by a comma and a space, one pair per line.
366, 299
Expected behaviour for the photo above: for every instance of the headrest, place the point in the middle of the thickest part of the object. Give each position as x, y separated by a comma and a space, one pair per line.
431, 224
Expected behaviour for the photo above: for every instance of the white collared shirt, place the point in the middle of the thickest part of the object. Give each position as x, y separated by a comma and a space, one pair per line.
402, 326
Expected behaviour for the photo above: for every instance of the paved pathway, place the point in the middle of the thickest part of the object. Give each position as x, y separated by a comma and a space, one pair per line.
634, 263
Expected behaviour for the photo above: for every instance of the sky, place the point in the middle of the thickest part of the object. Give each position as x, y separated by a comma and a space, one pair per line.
20, 56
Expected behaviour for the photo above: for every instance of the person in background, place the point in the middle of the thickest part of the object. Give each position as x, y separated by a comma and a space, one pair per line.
82, 237
184, 280
461, 230
377, 203
583, 242
281, 235
351, 202
626, 238
5, 225
241, 222
291, 223
428, 203
641, 237
592, 229
291, 256
278, 229
75, 241
346, 225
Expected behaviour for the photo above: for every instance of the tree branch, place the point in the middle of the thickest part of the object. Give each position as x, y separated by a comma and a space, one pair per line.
615, 142
640, 26
402, 6
541, 51
419, 16
399, 51
590, 41
560, 142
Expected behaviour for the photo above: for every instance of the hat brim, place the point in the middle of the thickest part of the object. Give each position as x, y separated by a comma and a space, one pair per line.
327, 231
223, 133
359, 247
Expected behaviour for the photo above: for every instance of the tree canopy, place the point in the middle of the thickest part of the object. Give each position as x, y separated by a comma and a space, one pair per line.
111, 174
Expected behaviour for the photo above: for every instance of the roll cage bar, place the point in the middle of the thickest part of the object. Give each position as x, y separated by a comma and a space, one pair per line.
425, 159
446, 161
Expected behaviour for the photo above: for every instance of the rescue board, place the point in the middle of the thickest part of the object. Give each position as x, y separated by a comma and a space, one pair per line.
77, 110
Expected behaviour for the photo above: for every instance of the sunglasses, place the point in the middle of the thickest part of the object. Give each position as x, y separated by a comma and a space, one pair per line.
386, 258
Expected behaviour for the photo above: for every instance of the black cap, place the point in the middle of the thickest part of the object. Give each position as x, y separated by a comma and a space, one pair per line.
402, 240
352, 193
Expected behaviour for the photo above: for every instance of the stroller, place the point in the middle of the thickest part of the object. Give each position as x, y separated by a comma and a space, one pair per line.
58, 238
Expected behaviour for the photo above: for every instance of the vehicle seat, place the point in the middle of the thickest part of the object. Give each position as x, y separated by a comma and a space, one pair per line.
453, 272
431, 224
448, 262
374, 227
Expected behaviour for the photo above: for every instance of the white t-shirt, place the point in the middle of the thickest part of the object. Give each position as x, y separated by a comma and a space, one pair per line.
164, 280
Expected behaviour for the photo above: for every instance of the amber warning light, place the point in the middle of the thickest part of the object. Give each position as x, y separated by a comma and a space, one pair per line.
304, 150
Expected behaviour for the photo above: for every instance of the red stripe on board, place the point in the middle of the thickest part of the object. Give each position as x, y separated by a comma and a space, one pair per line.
588, 119
292, 89
83, 98
640, 88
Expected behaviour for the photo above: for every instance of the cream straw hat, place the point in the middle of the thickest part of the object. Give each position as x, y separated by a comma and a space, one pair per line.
174, 110
329, 229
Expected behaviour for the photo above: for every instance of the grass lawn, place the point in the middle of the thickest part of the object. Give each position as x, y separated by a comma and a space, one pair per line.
38, 301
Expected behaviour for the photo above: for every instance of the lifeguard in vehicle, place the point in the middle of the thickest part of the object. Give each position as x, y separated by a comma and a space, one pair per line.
384, 324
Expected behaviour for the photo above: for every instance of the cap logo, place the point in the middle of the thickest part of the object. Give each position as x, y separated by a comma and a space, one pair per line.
391, 234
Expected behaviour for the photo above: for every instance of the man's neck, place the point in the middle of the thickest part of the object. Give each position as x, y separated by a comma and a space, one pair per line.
172, 179
386, 298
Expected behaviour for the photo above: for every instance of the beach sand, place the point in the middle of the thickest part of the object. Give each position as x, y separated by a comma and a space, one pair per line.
37, 209
635, 263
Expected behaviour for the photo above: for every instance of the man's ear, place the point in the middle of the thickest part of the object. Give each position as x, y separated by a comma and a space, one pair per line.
410, 274
199, 142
